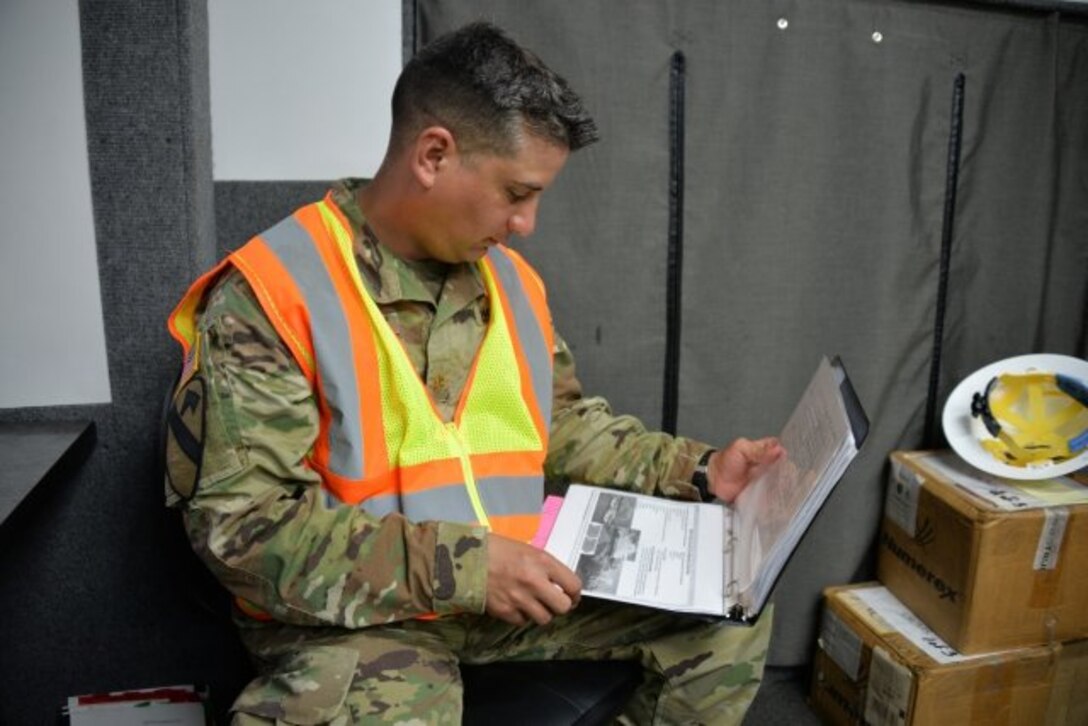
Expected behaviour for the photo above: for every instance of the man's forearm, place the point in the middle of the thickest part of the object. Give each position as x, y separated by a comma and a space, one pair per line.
303, 562
590, 444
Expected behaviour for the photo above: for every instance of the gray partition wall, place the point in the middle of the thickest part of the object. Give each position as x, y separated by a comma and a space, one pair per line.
899, 183
773, 183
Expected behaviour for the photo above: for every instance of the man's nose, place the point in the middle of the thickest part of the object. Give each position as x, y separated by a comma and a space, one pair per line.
523, 222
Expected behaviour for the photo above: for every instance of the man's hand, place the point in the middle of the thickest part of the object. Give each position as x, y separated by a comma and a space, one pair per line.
525, 583
732, 468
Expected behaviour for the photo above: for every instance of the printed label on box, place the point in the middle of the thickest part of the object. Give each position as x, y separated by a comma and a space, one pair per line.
903, 620
841, 644
1007, 497
901, 499
887, 696
1050, 540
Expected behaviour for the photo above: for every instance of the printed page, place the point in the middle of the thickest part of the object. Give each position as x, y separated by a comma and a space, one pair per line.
642, 549
775, 510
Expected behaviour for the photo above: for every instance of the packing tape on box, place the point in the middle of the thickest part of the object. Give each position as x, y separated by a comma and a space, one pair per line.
1048, 578
991, 698
1044, 589
1051, 538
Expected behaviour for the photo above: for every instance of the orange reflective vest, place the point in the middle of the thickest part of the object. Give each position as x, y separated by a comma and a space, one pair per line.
381, 443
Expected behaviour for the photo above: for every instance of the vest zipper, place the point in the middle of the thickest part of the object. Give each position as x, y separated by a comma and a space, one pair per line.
470, 480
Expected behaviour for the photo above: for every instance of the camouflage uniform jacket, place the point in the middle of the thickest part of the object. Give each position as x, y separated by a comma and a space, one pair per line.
259, 517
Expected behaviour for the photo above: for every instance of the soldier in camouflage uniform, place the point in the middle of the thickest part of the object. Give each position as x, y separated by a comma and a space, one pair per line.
330, 598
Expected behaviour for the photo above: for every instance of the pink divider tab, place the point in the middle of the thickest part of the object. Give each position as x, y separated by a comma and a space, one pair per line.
548, 513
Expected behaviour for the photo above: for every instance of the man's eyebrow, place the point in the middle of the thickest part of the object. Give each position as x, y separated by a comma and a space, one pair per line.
529, 185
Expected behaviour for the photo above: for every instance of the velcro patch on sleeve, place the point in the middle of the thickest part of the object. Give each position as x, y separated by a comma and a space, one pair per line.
185, 438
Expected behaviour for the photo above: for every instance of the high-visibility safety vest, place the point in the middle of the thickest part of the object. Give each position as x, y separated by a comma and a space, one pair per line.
381, 443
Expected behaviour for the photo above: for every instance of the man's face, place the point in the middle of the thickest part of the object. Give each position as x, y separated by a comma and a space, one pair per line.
480, 199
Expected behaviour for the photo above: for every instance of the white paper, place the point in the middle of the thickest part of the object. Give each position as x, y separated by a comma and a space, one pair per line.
150, 714
775, 510
710, 558
642, 549
137, 707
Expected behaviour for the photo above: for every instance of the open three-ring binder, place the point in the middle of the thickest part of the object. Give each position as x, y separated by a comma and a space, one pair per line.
710, 558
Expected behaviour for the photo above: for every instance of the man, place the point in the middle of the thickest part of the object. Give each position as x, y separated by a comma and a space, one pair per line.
379, 395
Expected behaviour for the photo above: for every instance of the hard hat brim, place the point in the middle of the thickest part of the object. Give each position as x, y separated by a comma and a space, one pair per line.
965, 432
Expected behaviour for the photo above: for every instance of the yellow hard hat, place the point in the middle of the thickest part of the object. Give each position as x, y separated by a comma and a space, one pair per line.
1023, 417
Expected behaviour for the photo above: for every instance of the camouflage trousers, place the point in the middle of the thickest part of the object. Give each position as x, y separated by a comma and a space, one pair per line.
694, 671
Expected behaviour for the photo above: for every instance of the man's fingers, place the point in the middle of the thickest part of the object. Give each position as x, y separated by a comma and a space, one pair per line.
772, 446
528, 584
527, 607
556, 600
567, 581
507, 615
539, 613
767, 452
760, 451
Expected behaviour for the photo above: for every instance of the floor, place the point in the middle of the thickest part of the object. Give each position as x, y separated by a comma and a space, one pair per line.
782, 699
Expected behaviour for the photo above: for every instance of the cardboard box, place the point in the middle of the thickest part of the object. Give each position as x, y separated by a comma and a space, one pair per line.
987, 563
879, 664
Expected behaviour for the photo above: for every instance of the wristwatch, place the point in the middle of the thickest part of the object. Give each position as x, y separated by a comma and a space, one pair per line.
699, 477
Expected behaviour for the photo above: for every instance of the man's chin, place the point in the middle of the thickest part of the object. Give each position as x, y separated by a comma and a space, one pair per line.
475, 254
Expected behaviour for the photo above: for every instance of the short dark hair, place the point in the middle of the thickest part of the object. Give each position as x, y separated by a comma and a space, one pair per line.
486, 89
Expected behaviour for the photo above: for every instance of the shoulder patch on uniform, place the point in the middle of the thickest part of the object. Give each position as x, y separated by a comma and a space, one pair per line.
191, 363
185, 437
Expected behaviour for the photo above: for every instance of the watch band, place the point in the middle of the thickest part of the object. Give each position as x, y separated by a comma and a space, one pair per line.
699, 477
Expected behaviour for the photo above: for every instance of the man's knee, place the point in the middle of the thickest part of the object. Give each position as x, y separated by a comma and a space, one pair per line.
353, 678
307, 686
711, 673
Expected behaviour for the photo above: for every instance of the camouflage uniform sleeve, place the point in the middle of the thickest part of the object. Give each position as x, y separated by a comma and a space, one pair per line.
591, 445
260, 519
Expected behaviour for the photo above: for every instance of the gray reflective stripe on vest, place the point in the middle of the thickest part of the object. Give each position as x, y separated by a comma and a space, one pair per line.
501, 495
505, 495
292, 244
449, 504
528, 331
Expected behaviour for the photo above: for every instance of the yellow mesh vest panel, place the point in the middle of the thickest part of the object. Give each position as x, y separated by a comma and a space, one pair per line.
495, 417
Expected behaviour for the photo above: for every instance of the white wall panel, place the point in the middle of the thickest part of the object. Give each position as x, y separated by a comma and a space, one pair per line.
52, 343
300, 90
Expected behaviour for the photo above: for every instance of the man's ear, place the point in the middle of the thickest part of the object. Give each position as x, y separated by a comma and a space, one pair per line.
432, 154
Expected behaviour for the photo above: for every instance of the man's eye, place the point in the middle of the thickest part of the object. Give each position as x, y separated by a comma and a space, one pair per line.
516, 196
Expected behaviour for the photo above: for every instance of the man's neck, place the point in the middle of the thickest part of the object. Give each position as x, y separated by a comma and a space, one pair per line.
383, 207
